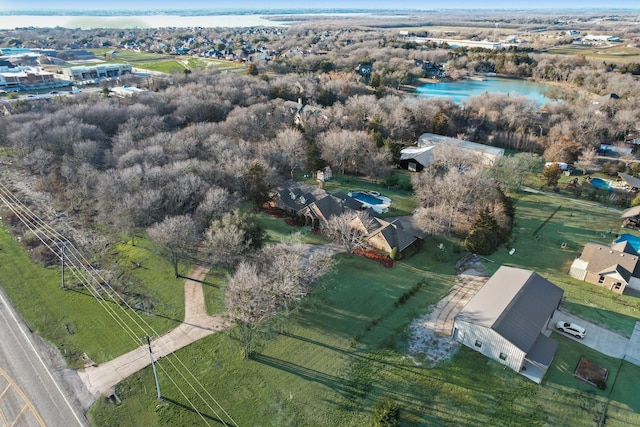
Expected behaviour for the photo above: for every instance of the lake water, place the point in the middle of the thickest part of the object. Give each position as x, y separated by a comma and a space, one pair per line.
459, 91
189, 19
135, 21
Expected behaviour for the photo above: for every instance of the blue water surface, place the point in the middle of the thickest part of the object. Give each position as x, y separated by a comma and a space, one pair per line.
600, 183
634, 241
366, 198
461, 90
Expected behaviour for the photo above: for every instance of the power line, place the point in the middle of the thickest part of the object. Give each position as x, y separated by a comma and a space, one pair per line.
89, 277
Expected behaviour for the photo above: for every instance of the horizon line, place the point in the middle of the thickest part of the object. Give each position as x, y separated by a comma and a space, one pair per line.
43, 11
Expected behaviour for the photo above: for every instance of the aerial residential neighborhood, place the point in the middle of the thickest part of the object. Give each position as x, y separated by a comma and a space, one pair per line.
334, 218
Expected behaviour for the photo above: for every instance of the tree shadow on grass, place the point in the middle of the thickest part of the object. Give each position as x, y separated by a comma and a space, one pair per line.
335, 383
200, 413
149, 313
213, 285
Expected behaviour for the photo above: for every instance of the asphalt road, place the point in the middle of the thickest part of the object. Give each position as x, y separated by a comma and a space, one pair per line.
30, 393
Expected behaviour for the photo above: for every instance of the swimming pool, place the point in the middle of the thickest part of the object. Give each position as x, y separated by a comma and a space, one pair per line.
633, 240
600, 183
372, 199
366, 197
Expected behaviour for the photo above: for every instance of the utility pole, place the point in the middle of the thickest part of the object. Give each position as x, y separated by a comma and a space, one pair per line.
153, 365
63, 246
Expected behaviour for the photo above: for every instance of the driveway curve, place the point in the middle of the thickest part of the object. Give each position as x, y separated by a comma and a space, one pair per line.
197, 324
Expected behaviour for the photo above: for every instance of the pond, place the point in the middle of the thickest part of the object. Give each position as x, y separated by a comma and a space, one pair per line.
460, 90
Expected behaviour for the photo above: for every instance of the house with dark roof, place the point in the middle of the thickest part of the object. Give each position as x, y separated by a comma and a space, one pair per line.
613, 267
631, 183
508, 321
631, 217
386, 236
317, 206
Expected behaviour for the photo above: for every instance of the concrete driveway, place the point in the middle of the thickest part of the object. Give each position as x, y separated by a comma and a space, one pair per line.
598, 338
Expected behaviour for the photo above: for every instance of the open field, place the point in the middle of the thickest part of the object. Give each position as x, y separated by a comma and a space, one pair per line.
345, 349
72, 318
619, 53
163, 63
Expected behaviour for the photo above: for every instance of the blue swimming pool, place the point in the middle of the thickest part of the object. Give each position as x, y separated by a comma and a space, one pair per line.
600, 183
634, 241
366, 198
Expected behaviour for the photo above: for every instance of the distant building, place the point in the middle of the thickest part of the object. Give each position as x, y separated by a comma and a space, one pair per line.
27, 78
96, 72
11, 51
126, 91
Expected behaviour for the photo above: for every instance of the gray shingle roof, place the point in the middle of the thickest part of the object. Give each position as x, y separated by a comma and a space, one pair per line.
516, 303
631, 180
601, 258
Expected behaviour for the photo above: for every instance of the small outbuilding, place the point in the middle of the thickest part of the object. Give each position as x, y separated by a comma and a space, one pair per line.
507, 320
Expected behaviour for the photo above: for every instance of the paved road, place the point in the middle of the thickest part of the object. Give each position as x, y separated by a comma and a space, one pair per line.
30, 392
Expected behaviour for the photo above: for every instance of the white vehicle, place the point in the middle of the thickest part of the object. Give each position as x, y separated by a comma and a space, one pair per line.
571, 329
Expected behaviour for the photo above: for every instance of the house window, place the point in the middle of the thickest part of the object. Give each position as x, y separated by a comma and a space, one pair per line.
478, 344
601, 279
503, 356
617, 286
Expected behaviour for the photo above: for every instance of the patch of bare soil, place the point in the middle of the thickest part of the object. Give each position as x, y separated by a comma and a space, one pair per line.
426, 343
592, 373
426, 347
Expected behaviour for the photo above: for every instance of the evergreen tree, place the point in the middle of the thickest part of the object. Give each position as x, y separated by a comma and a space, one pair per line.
483, 239
257, 188
440, 123
551, 174
314, 161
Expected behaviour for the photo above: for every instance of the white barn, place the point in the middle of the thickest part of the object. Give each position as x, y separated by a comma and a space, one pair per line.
490, 154
506, 319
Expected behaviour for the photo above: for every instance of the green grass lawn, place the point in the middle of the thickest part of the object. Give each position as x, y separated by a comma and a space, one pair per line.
73, 319
345, 346
402, 201
618, 53
164, 63
344, 349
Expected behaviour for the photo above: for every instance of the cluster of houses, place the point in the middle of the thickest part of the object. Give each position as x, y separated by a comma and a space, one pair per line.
508, 320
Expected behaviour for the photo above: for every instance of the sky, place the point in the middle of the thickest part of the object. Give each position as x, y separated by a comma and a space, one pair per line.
326, 4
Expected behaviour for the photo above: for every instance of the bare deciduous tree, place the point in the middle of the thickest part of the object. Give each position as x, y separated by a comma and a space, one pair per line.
350, 229
292, 149
176, 236
249, 302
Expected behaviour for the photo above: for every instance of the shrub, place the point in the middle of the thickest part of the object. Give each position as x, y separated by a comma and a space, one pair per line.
386, 414
442, 253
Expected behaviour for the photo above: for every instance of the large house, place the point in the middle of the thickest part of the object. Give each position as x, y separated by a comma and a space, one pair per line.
613, 267
316, 207
507, 318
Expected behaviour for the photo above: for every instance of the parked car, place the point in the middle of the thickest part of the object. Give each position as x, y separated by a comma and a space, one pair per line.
571, 329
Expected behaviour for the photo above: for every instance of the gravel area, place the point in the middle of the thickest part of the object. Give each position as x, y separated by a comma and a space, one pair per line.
429, 336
